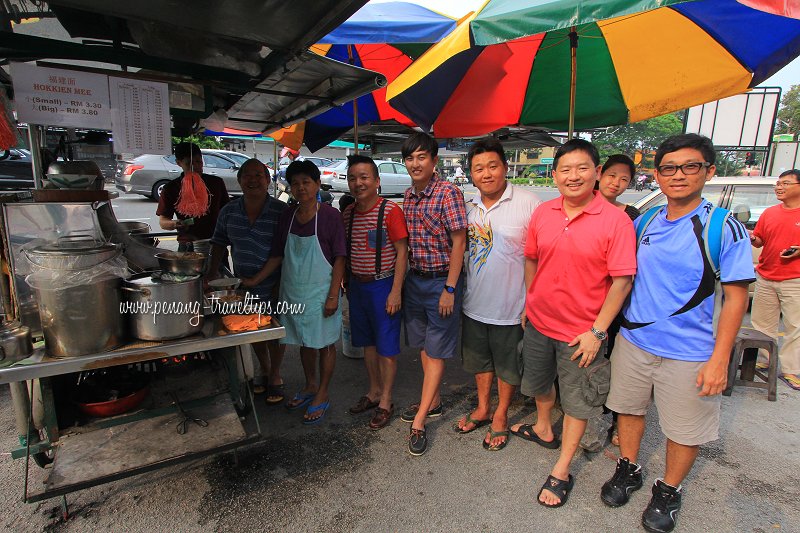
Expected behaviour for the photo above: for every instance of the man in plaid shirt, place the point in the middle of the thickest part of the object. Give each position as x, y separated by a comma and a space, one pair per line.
437, 237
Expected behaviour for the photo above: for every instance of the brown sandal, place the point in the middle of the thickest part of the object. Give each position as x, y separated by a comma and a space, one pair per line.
363, 404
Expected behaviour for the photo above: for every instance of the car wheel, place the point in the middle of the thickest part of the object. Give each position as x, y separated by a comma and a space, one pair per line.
158, 189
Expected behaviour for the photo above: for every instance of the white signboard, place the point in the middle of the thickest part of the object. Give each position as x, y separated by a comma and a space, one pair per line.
60, 97
140, 113
743, 120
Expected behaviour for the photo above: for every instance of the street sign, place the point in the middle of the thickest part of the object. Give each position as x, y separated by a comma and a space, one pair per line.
546, 160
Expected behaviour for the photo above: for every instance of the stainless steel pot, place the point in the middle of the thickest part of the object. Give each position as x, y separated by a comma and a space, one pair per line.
15, 342
182, 263
82, 319
161, 310
138, 231
76, 252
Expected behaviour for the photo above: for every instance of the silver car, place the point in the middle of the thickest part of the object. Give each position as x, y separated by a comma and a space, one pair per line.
148, 173
394, 178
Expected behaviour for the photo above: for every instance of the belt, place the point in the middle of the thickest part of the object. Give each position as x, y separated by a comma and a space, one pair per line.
363, 278
430, 275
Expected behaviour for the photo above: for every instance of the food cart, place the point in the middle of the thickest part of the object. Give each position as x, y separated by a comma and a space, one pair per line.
152, 70
197, 400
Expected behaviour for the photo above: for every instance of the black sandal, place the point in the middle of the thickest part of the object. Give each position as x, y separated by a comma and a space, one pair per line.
559, 487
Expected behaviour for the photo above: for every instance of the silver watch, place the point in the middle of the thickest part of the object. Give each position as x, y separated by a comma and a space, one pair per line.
599, 335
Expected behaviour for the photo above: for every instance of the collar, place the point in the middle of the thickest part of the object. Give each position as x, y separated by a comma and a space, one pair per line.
428, 190
507, 195
595, 207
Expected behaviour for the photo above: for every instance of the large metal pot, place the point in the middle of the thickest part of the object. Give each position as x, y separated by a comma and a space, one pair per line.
162, 310
76, 252
138, 231
78, 297
82, 319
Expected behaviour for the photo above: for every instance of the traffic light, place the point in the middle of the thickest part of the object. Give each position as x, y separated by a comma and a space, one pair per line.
750, 159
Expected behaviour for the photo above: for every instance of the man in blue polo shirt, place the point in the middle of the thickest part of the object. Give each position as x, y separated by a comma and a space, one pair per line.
247, 225
667, 348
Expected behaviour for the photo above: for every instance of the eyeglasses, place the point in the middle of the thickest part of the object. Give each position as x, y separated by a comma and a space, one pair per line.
688, 169
785, 183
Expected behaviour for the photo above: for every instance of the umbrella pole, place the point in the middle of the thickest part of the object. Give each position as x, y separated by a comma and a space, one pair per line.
573, 80
351, 60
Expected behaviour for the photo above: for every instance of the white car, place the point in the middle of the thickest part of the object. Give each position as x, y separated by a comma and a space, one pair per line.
394, 177
745, 196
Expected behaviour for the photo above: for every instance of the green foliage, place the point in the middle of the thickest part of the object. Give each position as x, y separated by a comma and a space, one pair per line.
200, 140
789, 112
645, 136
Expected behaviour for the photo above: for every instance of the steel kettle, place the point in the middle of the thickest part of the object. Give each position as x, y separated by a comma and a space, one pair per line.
15, 342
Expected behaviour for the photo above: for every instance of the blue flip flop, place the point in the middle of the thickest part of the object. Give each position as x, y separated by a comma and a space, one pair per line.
313, 409
303, 397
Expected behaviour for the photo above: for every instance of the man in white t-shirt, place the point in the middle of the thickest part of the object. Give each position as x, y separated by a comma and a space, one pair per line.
495, 288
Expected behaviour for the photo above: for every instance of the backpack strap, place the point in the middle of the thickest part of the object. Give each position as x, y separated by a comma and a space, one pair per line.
712, 236
378, 235
644, 220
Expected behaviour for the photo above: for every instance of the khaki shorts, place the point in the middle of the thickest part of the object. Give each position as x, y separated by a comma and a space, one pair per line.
583, 390
491, 348
637, 376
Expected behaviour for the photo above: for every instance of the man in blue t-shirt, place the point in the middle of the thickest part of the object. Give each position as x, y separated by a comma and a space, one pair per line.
667, 349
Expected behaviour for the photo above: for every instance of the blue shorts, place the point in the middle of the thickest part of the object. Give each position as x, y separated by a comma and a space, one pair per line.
370, 324
425, 327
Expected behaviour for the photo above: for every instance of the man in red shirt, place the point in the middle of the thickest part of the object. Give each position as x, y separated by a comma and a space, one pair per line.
580, 258
377, 241
778, 273
437, 239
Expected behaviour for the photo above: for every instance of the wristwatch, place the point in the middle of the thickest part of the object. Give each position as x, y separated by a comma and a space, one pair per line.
599, 335
450, 289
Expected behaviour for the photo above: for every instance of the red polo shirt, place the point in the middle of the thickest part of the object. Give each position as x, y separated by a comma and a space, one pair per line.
576, 260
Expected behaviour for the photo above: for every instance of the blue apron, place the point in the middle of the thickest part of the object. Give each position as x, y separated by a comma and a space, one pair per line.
306, 278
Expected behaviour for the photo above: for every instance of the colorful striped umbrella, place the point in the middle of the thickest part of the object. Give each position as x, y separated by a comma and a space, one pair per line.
510, 63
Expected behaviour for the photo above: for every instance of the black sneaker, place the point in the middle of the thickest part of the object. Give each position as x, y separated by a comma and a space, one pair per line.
659, 517
627, 478
417, 442
410, 413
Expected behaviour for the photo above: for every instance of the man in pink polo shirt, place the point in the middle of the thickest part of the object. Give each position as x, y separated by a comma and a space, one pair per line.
580, 257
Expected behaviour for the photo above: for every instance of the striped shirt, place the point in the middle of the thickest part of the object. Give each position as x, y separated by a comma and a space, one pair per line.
363, 237
250, 242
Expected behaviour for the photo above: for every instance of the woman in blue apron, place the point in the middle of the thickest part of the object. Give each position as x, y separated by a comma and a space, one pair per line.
314, 253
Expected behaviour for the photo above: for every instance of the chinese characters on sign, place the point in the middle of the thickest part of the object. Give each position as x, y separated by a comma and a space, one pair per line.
140, 115
61, 98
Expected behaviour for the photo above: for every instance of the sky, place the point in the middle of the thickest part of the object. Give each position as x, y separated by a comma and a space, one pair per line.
784, 78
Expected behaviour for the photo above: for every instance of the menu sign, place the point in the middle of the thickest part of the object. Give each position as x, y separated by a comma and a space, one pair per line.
55, 97
140, 115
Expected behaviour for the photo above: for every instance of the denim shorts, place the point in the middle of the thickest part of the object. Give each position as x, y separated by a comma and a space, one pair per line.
425, 327
370, 324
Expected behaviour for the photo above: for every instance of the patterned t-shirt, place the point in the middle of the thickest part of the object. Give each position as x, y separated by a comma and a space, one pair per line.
671, 307
364, 234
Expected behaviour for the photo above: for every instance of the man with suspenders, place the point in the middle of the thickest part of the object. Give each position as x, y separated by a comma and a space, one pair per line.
377, 249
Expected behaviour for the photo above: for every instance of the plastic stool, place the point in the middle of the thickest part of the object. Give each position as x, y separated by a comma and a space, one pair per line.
744, 354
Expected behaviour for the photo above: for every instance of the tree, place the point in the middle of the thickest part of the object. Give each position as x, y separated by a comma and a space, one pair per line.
644, 136
200, 140
789, 112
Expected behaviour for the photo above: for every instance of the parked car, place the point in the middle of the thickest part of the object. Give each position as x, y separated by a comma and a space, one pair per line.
148, 173
394, 178
16, 172
330, 176
319, 161
745, 197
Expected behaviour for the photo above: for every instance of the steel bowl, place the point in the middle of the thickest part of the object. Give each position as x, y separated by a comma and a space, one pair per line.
225, 284
183, 263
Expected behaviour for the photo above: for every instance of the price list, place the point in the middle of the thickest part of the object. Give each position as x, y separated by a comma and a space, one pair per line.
61, 98
140, 116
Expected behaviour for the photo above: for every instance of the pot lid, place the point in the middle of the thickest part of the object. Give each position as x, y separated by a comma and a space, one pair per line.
63, 247
148, 279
